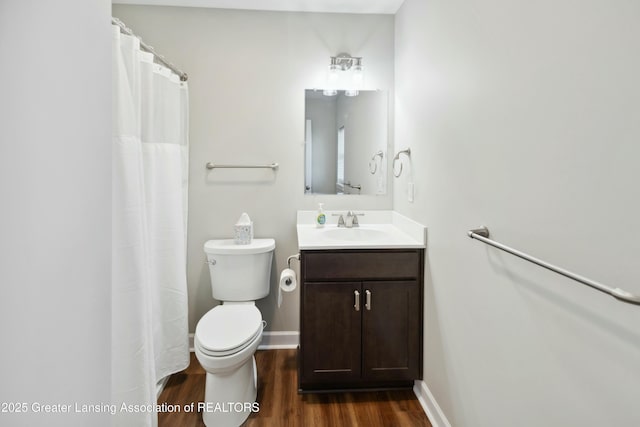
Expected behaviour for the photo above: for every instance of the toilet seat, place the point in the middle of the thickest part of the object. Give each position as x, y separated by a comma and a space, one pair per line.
227, 329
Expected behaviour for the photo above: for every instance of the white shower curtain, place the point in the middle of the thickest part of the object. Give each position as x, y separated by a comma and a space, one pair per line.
150, 169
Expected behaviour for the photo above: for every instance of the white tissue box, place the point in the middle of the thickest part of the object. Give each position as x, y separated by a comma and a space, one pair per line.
243, 234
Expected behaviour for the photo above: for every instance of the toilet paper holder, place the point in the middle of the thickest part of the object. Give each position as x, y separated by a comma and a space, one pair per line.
292, 257
288, 281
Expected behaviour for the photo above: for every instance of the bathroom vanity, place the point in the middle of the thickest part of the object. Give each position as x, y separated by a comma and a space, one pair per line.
360, 307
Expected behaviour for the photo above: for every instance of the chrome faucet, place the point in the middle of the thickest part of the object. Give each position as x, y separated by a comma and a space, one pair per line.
350, 220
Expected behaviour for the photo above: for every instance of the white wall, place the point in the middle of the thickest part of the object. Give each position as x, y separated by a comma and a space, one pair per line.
55, 188
524, 116
247, 75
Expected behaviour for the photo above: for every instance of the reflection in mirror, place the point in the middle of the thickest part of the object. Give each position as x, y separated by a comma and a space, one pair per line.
346, 141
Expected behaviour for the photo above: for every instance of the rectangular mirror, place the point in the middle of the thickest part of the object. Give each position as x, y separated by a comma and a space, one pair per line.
346, 137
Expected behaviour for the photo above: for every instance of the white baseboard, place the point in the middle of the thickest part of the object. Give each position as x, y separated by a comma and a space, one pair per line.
429, 405
270, 340
279, 340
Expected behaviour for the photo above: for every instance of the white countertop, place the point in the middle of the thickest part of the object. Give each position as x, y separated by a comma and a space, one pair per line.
376, 230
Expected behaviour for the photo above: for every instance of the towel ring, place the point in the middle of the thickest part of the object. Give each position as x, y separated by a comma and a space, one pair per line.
397, 157
375, 164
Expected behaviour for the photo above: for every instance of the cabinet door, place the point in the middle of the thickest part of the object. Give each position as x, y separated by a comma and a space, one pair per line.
391, 331
331, 326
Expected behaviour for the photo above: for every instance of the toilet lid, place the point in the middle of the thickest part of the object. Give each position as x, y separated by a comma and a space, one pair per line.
228, 327
229, 247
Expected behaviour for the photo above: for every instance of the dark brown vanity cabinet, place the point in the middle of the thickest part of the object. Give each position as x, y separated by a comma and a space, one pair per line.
361, 319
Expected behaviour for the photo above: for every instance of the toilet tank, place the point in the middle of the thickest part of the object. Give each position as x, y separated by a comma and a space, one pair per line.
240, 272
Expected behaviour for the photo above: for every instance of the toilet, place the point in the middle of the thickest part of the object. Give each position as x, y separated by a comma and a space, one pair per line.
228, 335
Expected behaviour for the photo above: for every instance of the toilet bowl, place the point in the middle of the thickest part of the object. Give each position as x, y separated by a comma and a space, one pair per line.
228, 335
225, 340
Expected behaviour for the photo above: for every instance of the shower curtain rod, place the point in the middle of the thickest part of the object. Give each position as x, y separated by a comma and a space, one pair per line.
126, 30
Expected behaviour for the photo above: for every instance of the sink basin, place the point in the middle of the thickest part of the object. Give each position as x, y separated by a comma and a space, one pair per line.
354, 234
377, 230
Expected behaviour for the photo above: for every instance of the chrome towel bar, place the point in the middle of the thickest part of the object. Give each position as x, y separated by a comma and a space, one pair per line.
212, 165
482, 234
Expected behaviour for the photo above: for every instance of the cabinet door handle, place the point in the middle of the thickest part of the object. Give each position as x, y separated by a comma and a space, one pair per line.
356, 305
367, 300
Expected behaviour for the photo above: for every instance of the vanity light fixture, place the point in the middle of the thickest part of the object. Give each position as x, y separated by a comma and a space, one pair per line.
344, 62
345, 71
332, 76
358, 72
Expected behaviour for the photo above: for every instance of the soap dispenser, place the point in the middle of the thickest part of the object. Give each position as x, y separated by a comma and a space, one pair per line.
321, 218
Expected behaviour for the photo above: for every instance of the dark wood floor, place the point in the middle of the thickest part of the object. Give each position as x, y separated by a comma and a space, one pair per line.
281, 405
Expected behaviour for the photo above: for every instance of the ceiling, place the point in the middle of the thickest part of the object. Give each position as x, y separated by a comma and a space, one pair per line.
334, 6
